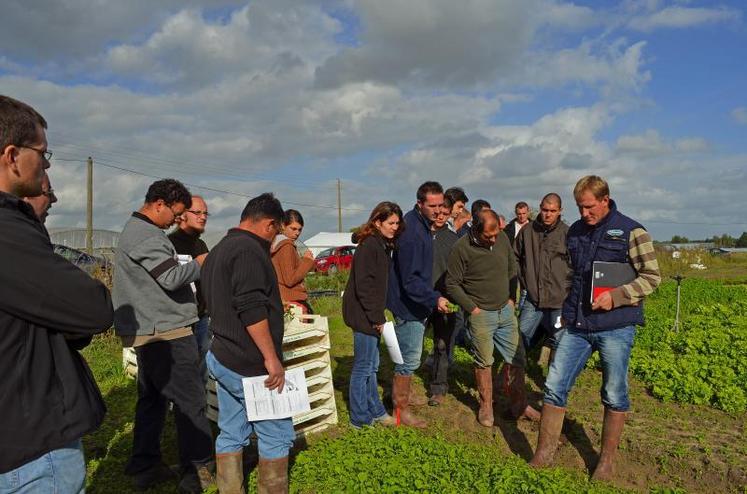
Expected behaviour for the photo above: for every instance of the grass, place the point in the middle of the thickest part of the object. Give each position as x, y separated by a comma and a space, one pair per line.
678, 447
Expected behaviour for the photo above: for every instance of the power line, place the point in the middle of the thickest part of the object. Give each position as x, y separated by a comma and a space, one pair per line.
111, 153
99, 162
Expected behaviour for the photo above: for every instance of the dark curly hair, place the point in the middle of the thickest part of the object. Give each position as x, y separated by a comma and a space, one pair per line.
170, 191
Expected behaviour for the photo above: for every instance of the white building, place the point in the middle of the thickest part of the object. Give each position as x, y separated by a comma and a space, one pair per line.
325, 240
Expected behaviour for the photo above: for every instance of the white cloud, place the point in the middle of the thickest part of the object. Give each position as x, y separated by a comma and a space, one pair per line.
677, 17
41, 31
190, 51
480, 44
262, 97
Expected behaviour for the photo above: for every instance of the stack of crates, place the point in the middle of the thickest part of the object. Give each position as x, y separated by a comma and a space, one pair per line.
306, 344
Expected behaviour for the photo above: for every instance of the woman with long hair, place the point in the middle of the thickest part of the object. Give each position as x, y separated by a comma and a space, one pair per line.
290, 267
363, 305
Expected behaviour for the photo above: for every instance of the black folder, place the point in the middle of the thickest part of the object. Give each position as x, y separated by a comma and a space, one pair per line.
608, 275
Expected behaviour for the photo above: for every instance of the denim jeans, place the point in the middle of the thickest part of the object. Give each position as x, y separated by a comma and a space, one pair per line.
167, 371
458, 336
530, 319
365, 404
443, 331
201, 330
61, 471
496, 329
274, 437
410, 339
575, 348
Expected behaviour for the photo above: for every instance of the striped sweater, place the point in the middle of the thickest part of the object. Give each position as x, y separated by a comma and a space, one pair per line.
643, 258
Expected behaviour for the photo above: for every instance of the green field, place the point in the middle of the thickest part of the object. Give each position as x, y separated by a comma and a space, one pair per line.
686, 431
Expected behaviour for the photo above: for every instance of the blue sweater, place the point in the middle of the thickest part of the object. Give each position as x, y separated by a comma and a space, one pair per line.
410, 293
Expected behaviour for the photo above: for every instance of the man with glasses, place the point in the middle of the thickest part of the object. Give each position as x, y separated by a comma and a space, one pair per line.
443, 324
43, 202
187, 241
49, 309
154, 311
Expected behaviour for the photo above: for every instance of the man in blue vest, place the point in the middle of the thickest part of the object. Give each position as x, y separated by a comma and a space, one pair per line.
606, 324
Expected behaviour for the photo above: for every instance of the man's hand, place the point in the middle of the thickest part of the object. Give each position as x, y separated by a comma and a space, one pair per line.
475, 311
379, 328
200, 259
603, 302
276, 378
443, 305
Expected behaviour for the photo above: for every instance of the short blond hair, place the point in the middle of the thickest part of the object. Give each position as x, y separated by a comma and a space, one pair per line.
591, 183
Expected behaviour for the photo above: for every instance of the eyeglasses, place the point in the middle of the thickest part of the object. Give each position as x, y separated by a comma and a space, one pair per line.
199, 213
176, 215
47, 155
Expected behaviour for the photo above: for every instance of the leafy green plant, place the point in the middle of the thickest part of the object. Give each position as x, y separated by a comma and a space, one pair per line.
705, 362
406, 460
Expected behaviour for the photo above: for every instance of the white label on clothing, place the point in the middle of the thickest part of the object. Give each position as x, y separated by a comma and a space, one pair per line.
264, 404
184, 259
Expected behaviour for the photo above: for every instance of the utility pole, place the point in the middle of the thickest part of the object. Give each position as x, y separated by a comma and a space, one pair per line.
339, 206
89, 209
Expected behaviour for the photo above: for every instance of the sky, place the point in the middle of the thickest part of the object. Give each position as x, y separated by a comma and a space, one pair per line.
508, 99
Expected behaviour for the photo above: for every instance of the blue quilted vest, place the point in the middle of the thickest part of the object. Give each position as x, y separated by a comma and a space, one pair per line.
605, 241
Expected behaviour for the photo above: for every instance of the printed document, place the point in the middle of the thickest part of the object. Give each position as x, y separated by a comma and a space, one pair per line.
184, 259
390, 340
263, 404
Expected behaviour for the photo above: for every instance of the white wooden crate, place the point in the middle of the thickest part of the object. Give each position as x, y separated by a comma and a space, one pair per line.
306, 344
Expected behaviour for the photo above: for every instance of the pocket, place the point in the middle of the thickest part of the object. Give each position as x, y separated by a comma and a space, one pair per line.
613, 251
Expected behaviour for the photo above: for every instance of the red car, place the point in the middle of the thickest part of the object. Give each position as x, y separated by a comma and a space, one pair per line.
335, 259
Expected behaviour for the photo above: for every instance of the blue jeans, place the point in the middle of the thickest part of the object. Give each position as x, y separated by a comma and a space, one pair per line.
530, 319
60, 471
575, 348
274, 437
201, 330
495, 329
410, 339
365, 404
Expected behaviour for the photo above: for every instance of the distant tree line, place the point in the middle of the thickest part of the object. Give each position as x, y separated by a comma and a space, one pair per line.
724, 240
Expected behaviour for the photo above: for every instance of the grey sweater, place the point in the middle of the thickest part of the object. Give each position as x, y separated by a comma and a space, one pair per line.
151, 290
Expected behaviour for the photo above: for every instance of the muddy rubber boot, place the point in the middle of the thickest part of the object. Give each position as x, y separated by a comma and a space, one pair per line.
483, 378
272, 476
500, 383
550, 426
517, 396
401, 399
611, 432
230, 472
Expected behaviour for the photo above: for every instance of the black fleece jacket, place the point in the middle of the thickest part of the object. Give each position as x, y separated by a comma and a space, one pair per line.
48, 308
364, 300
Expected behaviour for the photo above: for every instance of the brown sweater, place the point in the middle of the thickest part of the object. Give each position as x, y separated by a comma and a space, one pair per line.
291, 270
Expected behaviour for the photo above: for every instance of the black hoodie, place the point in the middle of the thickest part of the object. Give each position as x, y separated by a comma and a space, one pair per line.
48, 308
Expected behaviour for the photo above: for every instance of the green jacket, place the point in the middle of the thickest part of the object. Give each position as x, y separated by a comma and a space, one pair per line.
479, 276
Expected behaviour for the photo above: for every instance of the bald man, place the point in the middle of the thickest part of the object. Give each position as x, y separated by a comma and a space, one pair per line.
480, 268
